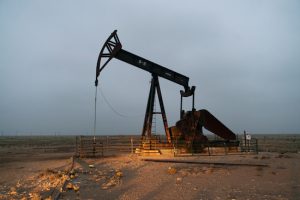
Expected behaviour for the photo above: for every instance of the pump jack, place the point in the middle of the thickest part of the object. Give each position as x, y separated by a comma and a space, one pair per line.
190, 124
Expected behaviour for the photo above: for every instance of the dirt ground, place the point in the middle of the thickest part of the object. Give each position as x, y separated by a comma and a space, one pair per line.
31, 174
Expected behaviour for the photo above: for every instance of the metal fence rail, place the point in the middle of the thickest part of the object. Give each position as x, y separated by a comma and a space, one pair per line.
90, 146
215, 147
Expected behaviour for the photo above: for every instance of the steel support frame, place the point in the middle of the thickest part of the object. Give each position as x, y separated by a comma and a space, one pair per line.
147, 127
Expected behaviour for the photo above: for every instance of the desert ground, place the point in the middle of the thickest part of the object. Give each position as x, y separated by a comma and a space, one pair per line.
44, 168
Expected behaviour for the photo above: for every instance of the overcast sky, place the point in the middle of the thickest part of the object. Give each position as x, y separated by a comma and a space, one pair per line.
242, 56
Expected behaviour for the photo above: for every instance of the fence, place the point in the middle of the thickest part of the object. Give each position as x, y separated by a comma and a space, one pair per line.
281, 143
249, 145
215, 147
90, 146
259, 143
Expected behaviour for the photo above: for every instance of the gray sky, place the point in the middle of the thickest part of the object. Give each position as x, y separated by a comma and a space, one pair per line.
242, 56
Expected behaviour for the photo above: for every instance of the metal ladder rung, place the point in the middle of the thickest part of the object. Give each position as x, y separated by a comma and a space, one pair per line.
156, 113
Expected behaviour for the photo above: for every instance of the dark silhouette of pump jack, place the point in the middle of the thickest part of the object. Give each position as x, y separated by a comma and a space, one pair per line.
190, 124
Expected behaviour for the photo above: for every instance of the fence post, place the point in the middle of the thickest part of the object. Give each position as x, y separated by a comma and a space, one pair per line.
175, 145
256, 146
76, 147
245, 141
102, 148
131, 145
192, 147
81, 147
94, 147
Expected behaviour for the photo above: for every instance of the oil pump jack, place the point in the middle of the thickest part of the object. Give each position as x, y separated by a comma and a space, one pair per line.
189, 127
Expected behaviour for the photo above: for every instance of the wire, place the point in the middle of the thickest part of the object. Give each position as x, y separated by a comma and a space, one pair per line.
114, 110
95, 117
